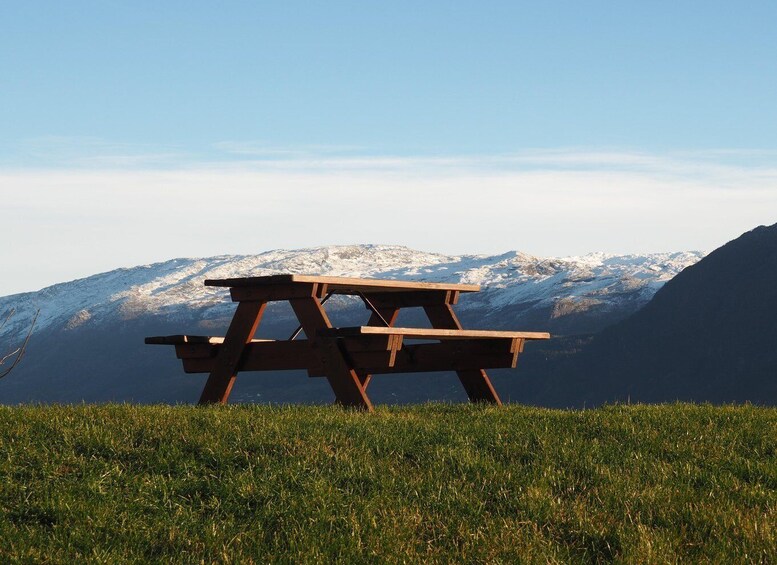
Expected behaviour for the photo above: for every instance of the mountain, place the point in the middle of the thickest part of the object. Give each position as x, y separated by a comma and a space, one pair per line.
88, 343
709, 334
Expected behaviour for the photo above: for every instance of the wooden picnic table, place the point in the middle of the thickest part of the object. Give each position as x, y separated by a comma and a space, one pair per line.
348, 357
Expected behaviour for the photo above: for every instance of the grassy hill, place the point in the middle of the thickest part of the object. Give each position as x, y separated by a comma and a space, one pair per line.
433, 483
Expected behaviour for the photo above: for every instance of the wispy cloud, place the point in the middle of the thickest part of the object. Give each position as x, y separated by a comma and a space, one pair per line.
107, 213
83, 152
256, 149
91, 153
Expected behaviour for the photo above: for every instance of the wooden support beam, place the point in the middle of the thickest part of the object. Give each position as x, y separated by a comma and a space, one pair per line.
432, 333
241, 331
411, 299
475, 381
389, 314
342, 378
373, 343
272, 355
196, 350
420, 357
259, 358
345, 285
273, 293
178, 339
448, 356
209, 346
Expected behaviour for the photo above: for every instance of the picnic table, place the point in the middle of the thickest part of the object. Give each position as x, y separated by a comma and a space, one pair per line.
348, 357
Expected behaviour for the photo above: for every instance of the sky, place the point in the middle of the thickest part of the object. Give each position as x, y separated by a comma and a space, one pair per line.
135, 132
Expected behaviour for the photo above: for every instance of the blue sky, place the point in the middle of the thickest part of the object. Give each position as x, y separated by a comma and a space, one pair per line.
597, 103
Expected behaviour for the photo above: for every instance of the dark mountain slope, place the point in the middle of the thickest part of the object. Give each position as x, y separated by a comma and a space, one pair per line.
710, 334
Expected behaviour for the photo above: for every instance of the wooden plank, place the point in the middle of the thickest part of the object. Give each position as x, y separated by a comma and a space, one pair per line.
178, 339
341, 377
195, 350
265, 356
388, 314
418, 358
277, 292
373, 343
412, 298
385, 359
434, 333
241, 331
187, 340
286, 348
446, 356
311, 316
198, 350
258, 359
342, 284
475, 381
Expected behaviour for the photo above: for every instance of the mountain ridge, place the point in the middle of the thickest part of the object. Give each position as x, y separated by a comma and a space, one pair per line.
566, 283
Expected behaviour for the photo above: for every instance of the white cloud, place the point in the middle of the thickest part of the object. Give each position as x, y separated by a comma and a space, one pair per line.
65, 223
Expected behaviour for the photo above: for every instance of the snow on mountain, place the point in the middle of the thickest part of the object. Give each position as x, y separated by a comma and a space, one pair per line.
174, 288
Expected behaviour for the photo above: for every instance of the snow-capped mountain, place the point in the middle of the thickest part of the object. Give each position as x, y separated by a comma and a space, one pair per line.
557, 287
88, 341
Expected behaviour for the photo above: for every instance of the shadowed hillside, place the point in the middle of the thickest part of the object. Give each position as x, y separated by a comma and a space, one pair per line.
710, 334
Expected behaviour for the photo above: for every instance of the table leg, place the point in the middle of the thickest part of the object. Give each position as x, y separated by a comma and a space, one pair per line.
241, 331
389, 313
342, 378
475, 381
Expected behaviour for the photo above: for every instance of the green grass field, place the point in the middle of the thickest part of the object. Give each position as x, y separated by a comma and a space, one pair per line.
432, 483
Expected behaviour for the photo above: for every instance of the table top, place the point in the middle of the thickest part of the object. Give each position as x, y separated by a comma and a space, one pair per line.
342, 284
430, 333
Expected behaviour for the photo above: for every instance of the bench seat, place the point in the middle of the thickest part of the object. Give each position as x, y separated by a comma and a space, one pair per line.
198, 353
455, 349
424, 333
370, 349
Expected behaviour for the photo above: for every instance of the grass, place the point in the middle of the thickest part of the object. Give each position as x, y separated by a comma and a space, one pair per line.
432, 483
